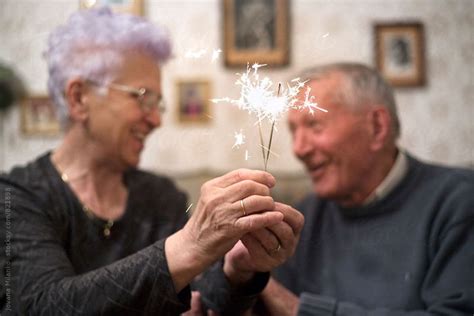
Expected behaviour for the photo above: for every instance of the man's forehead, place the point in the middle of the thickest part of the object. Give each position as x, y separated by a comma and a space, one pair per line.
327, 79
295, 115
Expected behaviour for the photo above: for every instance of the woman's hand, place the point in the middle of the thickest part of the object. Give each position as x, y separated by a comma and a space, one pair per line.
220, 220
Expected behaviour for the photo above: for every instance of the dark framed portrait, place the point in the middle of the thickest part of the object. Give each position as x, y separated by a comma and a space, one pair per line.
256, 31
193, 101
38, 116
123, 6
399, 53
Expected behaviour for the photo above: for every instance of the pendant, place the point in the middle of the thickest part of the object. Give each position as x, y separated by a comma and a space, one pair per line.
107, 228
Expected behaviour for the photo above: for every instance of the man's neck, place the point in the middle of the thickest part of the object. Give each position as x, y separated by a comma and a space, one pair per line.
377, 171
394, 176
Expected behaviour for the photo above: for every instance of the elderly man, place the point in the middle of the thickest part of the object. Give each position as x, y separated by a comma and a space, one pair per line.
385, 234
90, 234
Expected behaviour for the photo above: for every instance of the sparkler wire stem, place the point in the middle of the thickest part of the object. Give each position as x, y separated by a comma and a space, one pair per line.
271, 135
261, 143
269, 145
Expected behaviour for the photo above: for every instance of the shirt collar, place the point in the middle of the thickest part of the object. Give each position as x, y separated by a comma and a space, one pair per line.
394, 177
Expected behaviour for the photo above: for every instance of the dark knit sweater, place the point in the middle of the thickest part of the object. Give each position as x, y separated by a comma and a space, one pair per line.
411, 253
56, 260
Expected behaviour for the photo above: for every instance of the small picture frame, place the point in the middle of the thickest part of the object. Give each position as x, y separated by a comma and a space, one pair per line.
122, 6
399, 53
193, 101
256, 31
38, 116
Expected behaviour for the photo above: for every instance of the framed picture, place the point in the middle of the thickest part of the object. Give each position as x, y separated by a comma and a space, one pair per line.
399, 53
256, 31
38, 116
193, 101
123, 6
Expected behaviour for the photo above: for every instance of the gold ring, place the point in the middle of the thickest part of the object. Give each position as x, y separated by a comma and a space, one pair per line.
275, 250
242, 206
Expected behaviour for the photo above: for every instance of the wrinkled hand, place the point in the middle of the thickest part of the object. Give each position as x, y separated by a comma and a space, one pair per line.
264, 249
218, 222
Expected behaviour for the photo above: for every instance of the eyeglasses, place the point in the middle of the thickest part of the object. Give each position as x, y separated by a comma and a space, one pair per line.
147, 99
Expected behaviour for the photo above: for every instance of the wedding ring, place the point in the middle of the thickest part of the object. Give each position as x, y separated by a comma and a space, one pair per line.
242, 206
275, 250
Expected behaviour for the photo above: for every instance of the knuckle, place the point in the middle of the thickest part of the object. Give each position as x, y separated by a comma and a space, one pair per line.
241, 174
210, 201
205, 188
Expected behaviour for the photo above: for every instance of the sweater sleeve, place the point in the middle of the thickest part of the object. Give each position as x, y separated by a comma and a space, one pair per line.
220, 296
42, 280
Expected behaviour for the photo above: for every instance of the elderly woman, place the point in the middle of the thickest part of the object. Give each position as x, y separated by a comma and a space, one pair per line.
89, 233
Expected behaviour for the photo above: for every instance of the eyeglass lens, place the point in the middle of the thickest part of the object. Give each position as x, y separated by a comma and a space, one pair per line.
151, 100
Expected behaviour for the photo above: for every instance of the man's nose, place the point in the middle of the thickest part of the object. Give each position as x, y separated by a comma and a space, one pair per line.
301, 143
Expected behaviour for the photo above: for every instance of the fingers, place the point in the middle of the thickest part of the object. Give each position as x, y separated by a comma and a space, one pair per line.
268, 239
252, 244
292, 217
229, 207
280, 239
246, 188
257, 221
253, 204
239, 175
196, 305
212, 195
284, 235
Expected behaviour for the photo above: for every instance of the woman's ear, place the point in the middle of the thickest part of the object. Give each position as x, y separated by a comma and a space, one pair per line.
76, 98
380, 123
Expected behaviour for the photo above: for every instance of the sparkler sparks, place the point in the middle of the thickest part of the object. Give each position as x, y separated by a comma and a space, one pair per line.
215, 54
189, 208
239, 139
257, 96
247, 156
309, 104
195, 54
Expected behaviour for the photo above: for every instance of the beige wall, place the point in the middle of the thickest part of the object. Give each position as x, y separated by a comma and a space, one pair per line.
437, 120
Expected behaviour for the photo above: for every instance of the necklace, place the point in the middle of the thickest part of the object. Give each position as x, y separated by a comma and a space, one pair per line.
108, 224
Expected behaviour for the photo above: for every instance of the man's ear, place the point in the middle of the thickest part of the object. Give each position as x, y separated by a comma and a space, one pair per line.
76, 98
380, 127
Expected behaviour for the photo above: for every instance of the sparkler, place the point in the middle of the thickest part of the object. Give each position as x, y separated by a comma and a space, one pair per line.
247, 156
215, 54
195, 54
239, 139
257, 96
198, 54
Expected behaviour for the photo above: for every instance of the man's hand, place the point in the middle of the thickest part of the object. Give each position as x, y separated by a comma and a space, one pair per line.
277, 300
264, 249
196, 305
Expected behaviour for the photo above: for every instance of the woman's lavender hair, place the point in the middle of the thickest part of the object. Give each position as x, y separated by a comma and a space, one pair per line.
92, 44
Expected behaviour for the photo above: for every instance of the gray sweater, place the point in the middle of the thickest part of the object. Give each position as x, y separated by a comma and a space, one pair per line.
411, 253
